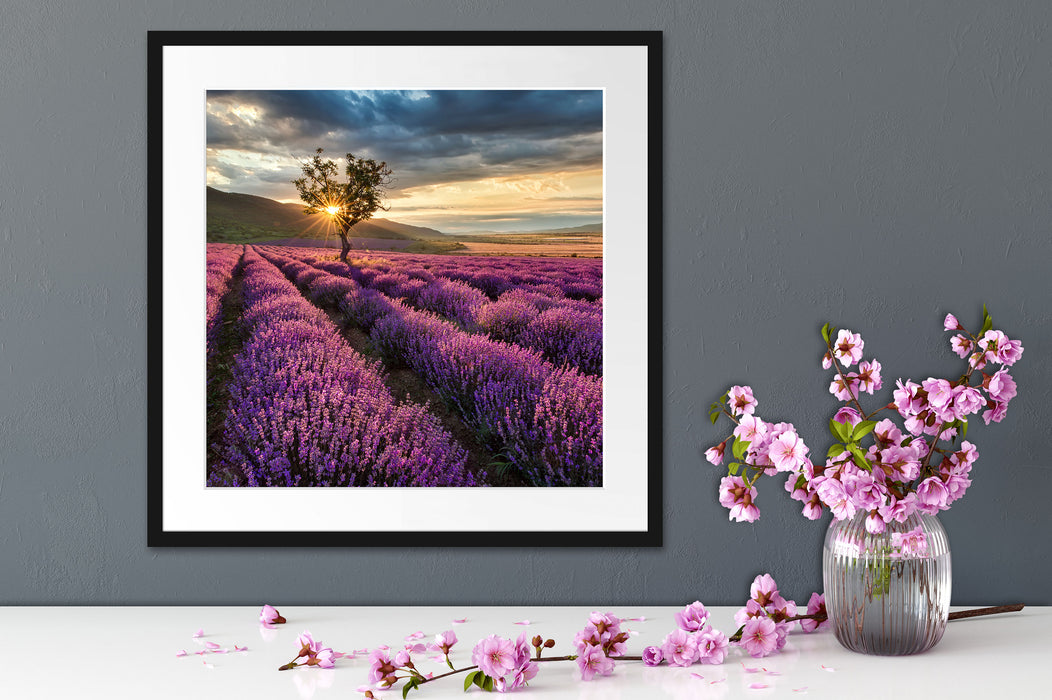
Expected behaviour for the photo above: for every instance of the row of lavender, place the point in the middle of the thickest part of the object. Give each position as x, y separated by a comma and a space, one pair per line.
221, 260
565, 330
546, 420
306, 410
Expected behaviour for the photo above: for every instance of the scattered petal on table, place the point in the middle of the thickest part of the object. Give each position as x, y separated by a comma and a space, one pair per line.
827, 668
641, 618
181, 652
750, 670
414, 636
211, 645
201, 653
199, 633
237, 648
758, 686
718, 681
341, 655
521, 622
698, 676
383, 647
460, 621
772, 673
220, 651
416, 648
801, 689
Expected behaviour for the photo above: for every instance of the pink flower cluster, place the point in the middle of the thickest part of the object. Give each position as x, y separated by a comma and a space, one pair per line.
766, 617
507, 663
695, 641
315, 652
902, 470
598, 644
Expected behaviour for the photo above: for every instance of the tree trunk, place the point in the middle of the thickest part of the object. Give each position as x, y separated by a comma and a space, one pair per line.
345, 246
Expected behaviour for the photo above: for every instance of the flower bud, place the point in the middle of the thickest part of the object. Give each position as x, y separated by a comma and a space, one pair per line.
548, 644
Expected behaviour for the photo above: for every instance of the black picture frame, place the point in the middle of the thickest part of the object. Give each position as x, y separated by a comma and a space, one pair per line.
165, 460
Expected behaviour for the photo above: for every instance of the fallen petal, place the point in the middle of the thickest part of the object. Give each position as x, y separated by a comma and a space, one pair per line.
199, 633
750, 670
181, 652
211, 645
698, 675
641, 618
800, 689
827, 668
758, 686
460, 621
715, 682
415, 635
522, 622
237, 648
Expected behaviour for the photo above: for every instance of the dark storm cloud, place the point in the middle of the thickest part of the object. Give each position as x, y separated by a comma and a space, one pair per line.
426, 137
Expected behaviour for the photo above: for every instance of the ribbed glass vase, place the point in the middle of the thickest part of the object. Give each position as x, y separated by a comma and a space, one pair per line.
887, 594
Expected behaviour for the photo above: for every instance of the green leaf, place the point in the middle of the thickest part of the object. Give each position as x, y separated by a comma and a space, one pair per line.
469, 680
825, 332
801, 481
410, 685
860, 457
988, 322
487, 685
863, 429
835, 451
841, 431
740, 446
733, 468
714, 416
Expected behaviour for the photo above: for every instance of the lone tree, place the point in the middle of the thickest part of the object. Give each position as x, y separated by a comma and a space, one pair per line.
345, 203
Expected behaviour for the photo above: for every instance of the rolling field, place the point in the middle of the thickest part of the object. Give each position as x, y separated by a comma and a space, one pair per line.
402, 369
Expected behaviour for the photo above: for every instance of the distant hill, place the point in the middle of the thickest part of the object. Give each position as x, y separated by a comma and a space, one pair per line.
233, 217
586, 228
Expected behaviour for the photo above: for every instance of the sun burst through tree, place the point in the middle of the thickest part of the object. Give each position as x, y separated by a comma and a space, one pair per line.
346, 203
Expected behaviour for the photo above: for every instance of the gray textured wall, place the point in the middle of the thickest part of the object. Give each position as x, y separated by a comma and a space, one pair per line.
870, 164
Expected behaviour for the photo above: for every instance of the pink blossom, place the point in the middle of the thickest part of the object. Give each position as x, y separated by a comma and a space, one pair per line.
931, 495
741, 401
977, 360
325, 658
269, 615
869, 377
763, 589
961, 345
592, 662
848, 416
993, 341
940, 391
845, 388
813, 507
966, 401
788, 451
760, 636
874, 523
816, 605
887, 432
780, 608
381, 668
996, 413
1001, 386
736, 495
524, 670
750, 428
868, 493
444, 641
835, 496
848, 347
752, 609
951, 323
715, 454
907, 397
652, 656
899, 509
693, 617
1009, 352
307, 644
827, 360
494, 656
680, 648
712, 646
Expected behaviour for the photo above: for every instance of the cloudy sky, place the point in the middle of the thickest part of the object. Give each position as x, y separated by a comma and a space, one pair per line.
463, 160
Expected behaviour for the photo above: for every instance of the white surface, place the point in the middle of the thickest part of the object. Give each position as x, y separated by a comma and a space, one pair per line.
130, 653
621, 71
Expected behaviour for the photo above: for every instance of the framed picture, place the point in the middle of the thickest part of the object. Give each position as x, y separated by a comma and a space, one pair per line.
404, 288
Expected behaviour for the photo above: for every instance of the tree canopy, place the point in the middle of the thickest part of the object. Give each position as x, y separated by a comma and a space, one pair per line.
346, 203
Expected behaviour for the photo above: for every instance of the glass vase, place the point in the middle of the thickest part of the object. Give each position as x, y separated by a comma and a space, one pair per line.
887, 593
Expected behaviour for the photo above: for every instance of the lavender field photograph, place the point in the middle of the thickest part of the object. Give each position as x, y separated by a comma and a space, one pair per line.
404, 288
